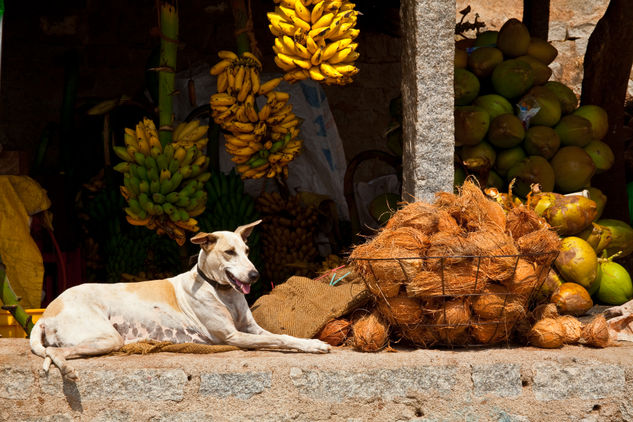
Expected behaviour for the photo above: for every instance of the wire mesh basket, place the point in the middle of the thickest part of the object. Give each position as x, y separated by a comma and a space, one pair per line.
456, 300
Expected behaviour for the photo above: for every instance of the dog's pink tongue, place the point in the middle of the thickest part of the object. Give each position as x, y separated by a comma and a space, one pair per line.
245, 288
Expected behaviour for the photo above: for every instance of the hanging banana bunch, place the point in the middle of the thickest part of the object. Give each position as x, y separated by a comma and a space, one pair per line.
261, 142
314, 39
164, 187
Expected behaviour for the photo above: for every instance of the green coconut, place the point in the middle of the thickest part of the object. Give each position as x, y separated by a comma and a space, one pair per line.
482, 155
514, 38
459, 176
471, 125
574, 131
622, 237
598, 118
570, 214
512, 78
541, 72
573, 168
506, 131
597, 236
542, 50
577, 262
483, 60
495, 181
541, 140
461, 58
487, 39
494, 104
383, 207
615, 286
466, 87
601, 154
507, 158
566, 97
533, 169
599, 198
550, 112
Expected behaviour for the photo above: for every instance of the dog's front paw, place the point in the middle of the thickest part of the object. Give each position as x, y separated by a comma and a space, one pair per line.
316, 346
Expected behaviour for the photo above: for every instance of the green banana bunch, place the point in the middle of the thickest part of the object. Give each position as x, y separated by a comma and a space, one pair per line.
164, 187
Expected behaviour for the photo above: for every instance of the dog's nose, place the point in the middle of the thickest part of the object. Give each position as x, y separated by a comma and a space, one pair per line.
253, 275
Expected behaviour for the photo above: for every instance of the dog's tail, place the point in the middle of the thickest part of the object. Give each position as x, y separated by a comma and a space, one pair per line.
38, 333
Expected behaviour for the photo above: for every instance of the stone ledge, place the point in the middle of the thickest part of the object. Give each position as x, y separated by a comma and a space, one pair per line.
500, 384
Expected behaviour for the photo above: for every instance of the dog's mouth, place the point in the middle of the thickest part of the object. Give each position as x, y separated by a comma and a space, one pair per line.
237, 284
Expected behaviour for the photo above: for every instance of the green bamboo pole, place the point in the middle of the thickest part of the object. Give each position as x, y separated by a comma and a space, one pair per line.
167, 69
10, 302
240, 15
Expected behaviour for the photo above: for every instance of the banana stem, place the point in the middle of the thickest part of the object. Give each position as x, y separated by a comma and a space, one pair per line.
240, 15
10, 302
167, 73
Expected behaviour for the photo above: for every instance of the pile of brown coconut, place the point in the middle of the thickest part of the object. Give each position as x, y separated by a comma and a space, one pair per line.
456, 272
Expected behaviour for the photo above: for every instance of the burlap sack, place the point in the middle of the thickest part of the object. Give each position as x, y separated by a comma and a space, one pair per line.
301, 306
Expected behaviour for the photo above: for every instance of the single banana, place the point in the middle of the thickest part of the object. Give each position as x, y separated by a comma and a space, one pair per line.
190, 127
223, 82
222, 99
283, 65
316, 74
346, 69
304, 64
302, 51
245, 90
311, 44
255, 82
329, 71
323, 22
267, 87
220, 67
302, 12
317, 57
239, 77
225, 54
317, 12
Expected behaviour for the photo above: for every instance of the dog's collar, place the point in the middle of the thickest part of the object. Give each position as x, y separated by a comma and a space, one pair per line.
214, 283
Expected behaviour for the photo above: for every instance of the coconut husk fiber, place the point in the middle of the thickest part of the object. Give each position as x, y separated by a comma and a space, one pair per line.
525, 280
419, 334
546, 310
491, 332
370, 333
542, 246
498, 253
448, 249
523, 220
417, 215
471, 208
454, 280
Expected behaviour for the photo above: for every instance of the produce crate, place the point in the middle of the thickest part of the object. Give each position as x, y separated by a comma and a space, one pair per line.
9, 327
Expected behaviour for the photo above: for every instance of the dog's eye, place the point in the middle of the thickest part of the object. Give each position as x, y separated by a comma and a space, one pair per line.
230, 252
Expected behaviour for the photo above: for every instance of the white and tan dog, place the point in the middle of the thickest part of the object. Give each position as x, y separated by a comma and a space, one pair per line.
204, 305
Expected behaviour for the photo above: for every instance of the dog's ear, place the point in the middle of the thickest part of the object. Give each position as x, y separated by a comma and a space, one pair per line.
204, 239
246, 230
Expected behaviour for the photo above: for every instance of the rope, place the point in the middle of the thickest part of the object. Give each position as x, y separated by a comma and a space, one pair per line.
248, 29
152, 346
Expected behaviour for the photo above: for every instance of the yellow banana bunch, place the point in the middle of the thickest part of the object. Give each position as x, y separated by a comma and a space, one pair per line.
314, 40
164, 187
261, 141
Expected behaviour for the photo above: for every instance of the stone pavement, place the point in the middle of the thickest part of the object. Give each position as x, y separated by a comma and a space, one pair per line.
500, 384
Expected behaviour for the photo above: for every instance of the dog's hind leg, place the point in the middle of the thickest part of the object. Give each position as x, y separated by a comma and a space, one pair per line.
91, 347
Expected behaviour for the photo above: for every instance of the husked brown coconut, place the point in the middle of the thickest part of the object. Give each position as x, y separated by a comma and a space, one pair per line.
498, 251
454, 280
540, 246
546, 310
401, 310
495, 302
335, 332
522, 221
491, 332
596, 333
370, 333
447, 249
525, 280
417, 215
573, 329
547, 333
447, 225
451, 321
419, 334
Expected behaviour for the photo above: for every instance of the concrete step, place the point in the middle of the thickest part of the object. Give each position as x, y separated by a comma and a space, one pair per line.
482, 384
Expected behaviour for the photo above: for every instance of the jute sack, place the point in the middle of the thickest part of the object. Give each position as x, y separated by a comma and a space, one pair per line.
301, 306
